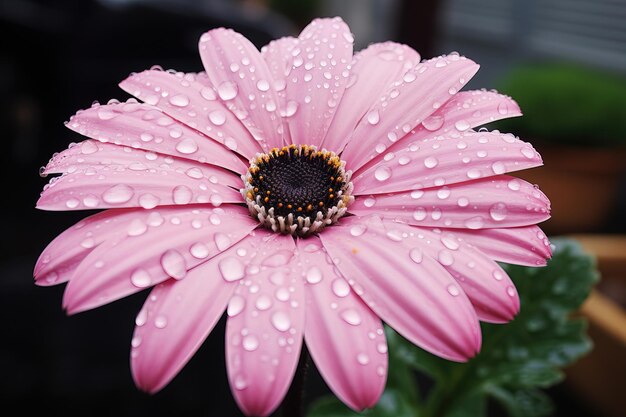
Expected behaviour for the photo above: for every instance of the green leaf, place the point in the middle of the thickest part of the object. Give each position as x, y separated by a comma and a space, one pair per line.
391, 404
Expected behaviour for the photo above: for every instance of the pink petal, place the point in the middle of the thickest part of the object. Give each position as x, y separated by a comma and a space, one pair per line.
485, 283
449, 159
147, 127
405, 104
243, 82
373, 71
277, 56
189, 99
167, 243
59, 259
465, 110
517, 245
495, 202
412, 293
103, 175
179, 314
355, 371
321, 62
264, 327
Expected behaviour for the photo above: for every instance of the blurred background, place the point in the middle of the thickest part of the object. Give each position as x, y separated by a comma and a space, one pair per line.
564, 61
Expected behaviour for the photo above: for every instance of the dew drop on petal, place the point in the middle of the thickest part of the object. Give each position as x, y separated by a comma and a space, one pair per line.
373, 117
453, 290
182, 194
179, 100
433, 123
369, 202
235, 305
382, 173
148, 201
445, 257
430, 162
250, 343
358, 230
118, 194
416, 255
263, 302
474, 223
419, 214
222, 241
199, 250
340, 287
160, 322
351, 316
498, 168
217, 117
514, 185
227, 90
362, 358
461, 125
140, 278
313, 275
231, 269
173, 263
187, 146
281, 321
498, 212
137, 228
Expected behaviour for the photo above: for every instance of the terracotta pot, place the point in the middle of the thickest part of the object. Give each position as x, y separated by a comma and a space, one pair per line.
582, 184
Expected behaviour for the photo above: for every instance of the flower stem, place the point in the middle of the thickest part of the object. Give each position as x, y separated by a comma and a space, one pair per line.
293, 405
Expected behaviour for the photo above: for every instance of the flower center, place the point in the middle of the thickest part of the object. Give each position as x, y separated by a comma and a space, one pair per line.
297, 190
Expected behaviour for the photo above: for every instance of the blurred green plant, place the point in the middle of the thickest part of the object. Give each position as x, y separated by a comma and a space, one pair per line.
566, 105
516, 362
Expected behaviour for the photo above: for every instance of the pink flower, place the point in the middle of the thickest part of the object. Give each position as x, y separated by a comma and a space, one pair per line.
388, 206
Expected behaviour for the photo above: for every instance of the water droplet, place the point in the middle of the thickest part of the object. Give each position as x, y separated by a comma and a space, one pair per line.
187, 146
207, 93
222, 241
340, 287
373, 117
443, 193
348, 37
498, 212
382, 173
463, 202
227, 90
235, 305
281, 321
182, 194
290, 109
240, 383
118, 194
263, 85
498, 168
528, 152
503, 108
174, 265
160, 322
199, 250
498, 275
148, 201
416, 255
514, 185
263, 302
369, 202
351, 316
394, 235
417, 194
217, 117
450, 242
88, 147
474, 173
404, 160
106, 114
250, 343
430, 162
179, 100
141, 278
433, 123
382, 347
314, 275
72, 203
445, 257
453, 290
419, 214
231, 269
358, 230
510, 291
362, 358
474, 223
137, 227
461, 125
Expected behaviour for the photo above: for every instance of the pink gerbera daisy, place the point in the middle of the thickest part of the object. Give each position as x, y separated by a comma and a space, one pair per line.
310, 193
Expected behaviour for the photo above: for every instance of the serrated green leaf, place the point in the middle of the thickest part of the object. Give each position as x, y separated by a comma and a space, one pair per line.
522, 403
